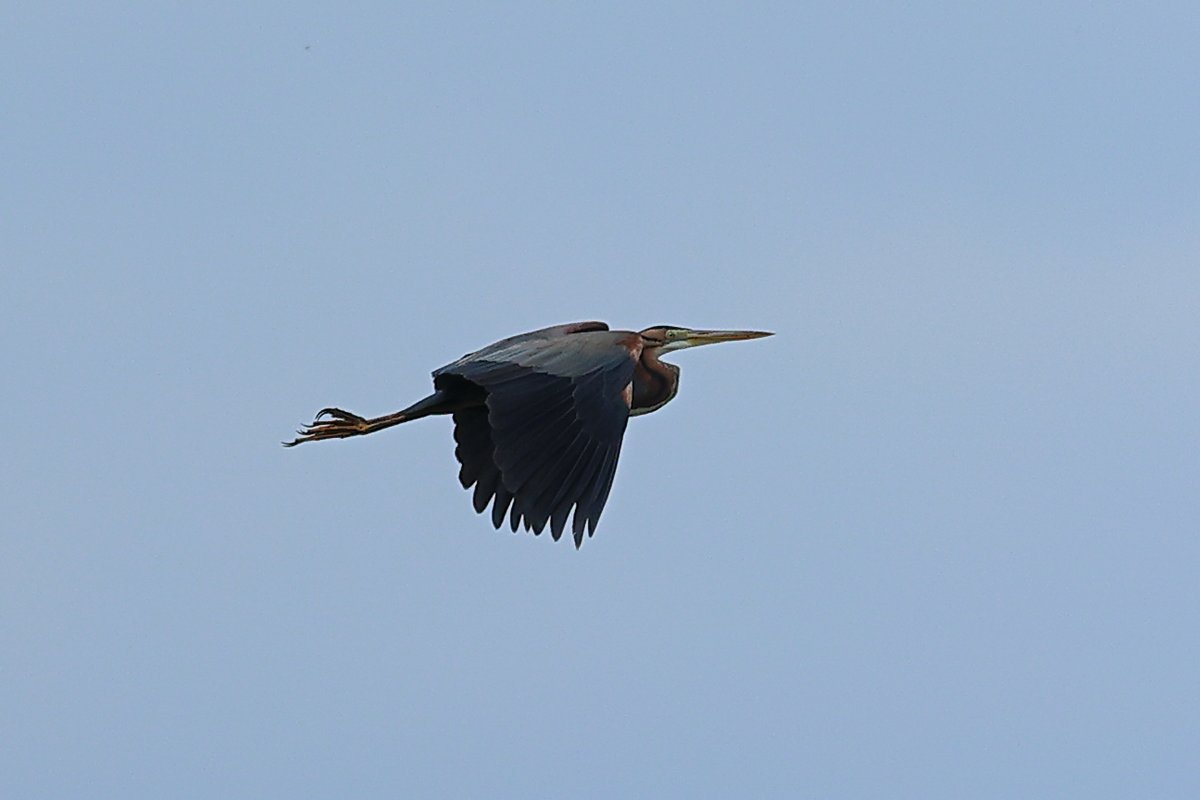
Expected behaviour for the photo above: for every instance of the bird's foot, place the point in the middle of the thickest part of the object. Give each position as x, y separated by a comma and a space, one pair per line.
339, 425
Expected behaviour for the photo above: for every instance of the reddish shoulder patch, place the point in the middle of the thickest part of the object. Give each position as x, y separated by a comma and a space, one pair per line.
632, 342
583, 327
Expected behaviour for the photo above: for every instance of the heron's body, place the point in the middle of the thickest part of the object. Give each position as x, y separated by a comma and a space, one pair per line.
539, 418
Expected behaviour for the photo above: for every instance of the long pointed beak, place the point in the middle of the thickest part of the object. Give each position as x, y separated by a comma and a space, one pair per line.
697, 338
712, 337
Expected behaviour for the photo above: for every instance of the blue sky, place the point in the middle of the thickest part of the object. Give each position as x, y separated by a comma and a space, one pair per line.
937, 538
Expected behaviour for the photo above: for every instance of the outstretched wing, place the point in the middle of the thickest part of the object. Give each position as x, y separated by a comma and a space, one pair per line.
549, 435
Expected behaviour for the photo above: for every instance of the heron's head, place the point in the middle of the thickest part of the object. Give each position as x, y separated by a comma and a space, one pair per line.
668, 337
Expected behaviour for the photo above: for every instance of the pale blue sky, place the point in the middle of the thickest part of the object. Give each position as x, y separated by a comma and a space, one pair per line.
937, 538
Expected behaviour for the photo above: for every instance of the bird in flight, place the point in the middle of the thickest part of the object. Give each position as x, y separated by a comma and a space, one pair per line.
539, 417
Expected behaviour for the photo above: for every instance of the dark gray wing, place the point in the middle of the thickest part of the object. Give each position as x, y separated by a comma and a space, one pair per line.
497, 350
549, 435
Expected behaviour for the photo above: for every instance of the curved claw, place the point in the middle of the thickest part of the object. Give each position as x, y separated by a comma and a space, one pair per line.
337, 414
342, 425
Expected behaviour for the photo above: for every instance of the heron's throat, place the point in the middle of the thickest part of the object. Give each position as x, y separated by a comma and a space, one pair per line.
654, 383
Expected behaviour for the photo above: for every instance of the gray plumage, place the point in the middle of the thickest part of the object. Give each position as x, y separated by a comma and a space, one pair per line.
539, 418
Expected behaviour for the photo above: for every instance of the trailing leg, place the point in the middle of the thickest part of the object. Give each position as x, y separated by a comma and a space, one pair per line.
334, 423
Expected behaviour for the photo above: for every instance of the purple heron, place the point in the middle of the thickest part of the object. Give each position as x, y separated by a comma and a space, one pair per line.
539, 417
